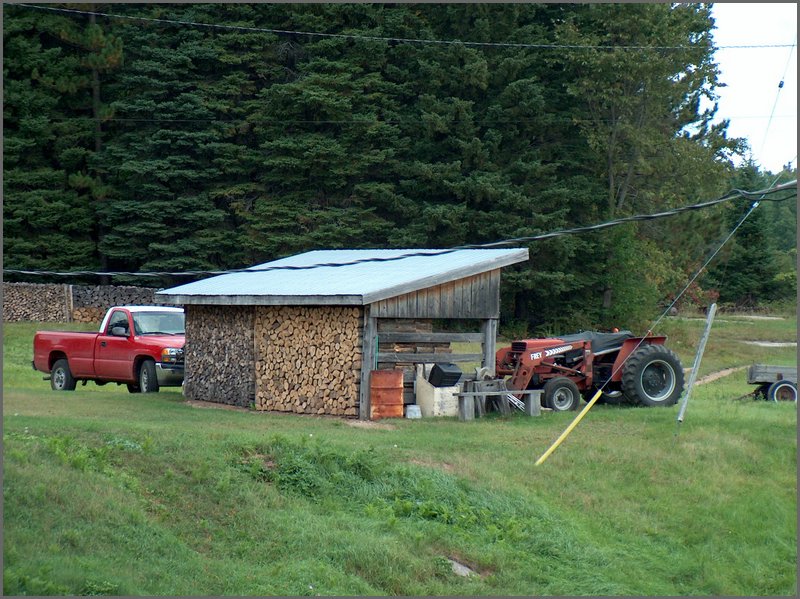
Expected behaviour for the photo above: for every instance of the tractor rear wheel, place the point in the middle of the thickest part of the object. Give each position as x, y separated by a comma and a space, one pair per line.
653, 376
561, 395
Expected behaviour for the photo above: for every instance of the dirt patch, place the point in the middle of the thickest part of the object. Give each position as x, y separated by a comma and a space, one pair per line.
717, 375
194, 403
756, 317
369, 424
772, 343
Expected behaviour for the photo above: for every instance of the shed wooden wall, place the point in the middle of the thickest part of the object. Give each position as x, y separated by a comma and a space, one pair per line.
472, 297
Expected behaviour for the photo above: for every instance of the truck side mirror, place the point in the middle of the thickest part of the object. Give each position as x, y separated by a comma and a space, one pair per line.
119, 332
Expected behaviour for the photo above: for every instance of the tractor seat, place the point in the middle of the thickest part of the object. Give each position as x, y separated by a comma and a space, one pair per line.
600, 341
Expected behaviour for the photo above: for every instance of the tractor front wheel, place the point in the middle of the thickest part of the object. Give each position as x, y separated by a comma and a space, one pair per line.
653, 376
561, 395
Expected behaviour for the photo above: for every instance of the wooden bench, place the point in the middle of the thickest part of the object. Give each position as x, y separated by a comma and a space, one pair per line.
478, 396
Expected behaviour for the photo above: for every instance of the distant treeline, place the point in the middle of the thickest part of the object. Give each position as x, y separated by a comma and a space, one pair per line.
144, 146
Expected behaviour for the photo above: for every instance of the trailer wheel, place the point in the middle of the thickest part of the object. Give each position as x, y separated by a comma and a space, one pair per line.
148, 383
561, 394
782, 391
653, 376
61, 378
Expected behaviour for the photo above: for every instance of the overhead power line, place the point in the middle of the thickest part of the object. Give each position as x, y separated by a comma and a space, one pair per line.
396, 40
352, 121
777, 95
734, 194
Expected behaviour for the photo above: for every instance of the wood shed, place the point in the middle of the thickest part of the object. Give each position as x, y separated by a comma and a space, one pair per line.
302, 334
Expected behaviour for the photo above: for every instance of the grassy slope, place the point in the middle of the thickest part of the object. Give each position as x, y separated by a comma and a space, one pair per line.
111, 493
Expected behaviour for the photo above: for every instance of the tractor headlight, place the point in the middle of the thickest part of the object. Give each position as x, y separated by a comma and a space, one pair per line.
171, 355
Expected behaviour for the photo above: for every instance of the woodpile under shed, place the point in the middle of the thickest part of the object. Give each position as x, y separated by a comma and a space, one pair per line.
308, 359
219, 355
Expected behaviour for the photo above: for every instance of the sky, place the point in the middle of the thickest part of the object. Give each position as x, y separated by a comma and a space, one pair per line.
752, 77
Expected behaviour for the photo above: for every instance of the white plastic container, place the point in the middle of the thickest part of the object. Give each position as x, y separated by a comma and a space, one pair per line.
413, 411
435, 401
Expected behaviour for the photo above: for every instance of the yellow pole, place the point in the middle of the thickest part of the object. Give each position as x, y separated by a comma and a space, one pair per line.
568, 430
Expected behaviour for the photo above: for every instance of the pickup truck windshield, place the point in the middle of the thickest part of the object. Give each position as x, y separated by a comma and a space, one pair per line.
158, 323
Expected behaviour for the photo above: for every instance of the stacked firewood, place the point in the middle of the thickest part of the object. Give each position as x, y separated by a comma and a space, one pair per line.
308, 359
88, 314
35, 302
219, 354
105, 296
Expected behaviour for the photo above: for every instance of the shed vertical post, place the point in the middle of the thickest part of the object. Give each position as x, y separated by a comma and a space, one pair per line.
368, 354
489, 343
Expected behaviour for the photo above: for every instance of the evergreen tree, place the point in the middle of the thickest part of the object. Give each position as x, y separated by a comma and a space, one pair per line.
50, 116
744, 271
160, 163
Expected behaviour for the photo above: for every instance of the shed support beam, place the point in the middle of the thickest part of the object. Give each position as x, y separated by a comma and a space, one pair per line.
369, 351
489, 330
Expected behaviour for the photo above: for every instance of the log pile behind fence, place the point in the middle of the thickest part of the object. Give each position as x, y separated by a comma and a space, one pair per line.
411, 348
65, 303
36, 302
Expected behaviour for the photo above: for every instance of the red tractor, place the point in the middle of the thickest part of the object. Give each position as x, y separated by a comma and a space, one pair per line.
637, 370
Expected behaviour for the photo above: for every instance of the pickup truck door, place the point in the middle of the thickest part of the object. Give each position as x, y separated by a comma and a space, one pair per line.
113, 355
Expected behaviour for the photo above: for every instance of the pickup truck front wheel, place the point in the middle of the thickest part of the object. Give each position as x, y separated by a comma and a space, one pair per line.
148, 381
61, 378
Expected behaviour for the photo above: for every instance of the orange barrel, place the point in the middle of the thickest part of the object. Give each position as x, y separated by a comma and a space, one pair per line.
386, 394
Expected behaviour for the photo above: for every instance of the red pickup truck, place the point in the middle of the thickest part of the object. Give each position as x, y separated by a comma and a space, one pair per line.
141, 346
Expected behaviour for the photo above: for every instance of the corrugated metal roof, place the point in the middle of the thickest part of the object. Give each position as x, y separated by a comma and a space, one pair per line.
380, 274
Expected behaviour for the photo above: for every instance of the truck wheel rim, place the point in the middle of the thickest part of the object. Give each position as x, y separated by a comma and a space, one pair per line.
562, 399
145, 382
658, 380
58, 378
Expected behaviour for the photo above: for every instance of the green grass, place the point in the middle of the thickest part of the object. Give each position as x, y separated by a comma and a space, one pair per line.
112, 493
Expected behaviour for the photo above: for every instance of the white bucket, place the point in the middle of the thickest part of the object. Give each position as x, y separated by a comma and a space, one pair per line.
413, 411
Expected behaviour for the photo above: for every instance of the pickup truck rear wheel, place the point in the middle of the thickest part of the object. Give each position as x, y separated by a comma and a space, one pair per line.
148, 382
61, 378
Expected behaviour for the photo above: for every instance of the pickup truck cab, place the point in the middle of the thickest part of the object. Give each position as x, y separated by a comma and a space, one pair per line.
140, 346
